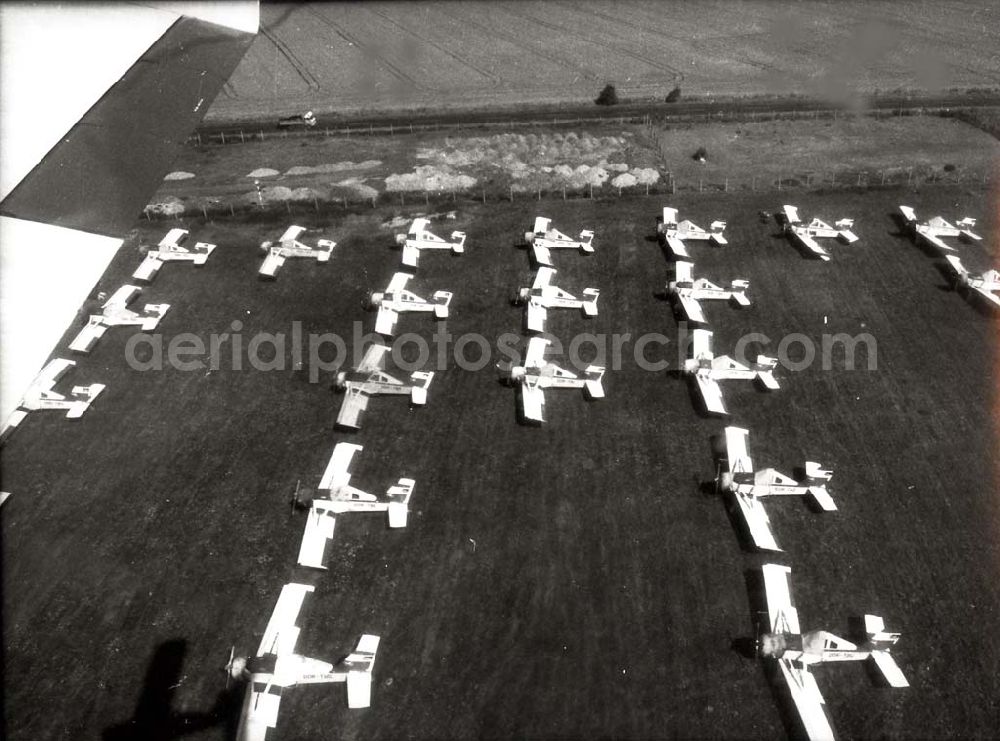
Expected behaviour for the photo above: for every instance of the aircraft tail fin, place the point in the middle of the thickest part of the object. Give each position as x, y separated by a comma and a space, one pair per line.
767, 378
442, 299
459, 242
739, 292
324, 248
400, 500
586, 239
359, 672
594, 384
590, 303
88, 394
421, 382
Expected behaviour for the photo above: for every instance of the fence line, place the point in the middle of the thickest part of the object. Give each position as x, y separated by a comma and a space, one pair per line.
251, 134
913, 177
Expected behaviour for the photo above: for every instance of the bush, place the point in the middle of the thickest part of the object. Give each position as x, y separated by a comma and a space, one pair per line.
608, 96
701, 154
674, 95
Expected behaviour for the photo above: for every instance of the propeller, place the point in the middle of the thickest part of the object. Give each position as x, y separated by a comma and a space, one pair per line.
295, 497
229, 665
718, 475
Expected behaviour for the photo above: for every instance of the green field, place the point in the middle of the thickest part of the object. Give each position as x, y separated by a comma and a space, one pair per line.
349, 57
574, 580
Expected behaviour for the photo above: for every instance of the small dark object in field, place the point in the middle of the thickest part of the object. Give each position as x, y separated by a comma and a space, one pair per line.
674, 95
700, 154
949, 167
608, 96
764, 216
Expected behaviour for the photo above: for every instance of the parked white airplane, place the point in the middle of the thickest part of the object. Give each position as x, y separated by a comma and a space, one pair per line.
708, 370
931, 231
370, 379
396, 299
675, 234
420, 238
544, 238
543, 296
749, 486
288, 245
276, 667
805, 235
689, 291
537, 374
985, 285
796, 652
115, 313
341, 498
41, 396
169, 249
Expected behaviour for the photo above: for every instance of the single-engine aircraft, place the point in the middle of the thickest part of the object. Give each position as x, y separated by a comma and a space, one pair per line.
806, 234
796, 652
396, 299
674, 234
370, 379
749, 486
931, 231
40, 395
115, 313
544, 237
276, 667
288, 245
537, 374
542, 295
984, 285
171, 249
341, 498
708, 369
688, 291
419, 237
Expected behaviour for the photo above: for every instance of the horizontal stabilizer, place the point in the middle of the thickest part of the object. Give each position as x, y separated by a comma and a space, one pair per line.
822, 498
848, 236
458, 242
593, 384
767, 378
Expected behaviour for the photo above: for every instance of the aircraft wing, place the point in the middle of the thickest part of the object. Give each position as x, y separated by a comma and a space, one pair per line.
51, 373
535, 356
271, 263
336, 475
684, 271
260, 711
677, 247
385, 321
374, 359
398, 282
411, 255
935, 240
701, 343
87, 336
121, 297
282, 633
783, 618
791, 214
736, 450
955, 262
692, 308
987, 294
757, 521
908, 213
542, 254
418, 229
543, 277
533, 403
541, 225
355, 402
536, 315
711, 394
318, 532
808, 700
291, 233
812, 245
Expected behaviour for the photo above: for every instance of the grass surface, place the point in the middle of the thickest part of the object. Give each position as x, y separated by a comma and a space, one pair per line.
605, 587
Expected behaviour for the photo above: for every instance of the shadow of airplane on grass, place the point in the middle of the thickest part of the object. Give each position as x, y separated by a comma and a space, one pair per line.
155, 719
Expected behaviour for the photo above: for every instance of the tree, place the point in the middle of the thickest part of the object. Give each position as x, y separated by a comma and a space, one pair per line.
674, 95
608, 96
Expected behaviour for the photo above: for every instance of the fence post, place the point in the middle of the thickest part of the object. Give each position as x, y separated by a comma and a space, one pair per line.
699, 185
204, 212
261, 132
512, 194
779, 182
539, 194
199, 138
232, 212
591, 191
484, 195
753, 183
726, 186
316, 203
564, 188
242, 140
222, 135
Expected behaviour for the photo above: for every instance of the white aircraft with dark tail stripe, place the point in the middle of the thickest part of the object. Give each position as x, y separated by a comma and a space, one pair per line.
708, 369
749, 486
542, 295
543, 238
396, 300
171, 249
985, 285
342, 498
40, 395
537, 374
115, 313
419, 238
796, 652
674, 234
370, 379
276, 667
806, 235
689, 292
288, 245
